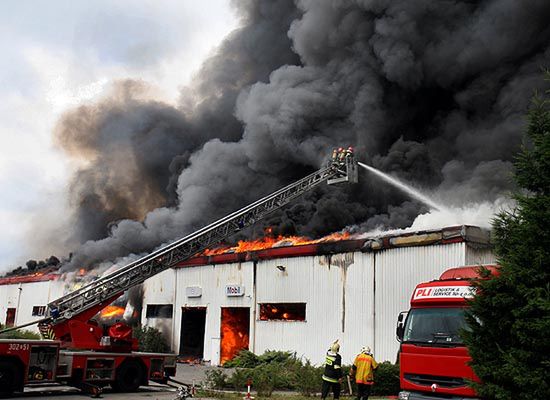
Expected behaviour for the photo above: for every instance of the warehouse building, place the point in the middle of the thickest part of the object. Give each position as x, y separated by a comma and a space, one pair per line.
296, 298
302, 298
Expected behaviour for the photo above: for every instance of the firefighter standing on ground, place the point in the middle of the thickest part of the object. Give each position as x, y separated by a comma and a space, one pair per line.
332, 377
363, 371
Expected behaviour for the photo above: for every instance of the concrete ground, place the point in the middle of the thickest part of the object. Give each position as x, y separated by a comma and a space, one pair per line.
193, 373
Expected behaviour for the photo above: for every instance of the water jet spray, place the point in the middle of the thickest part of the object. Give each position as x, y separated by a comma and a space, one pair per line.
404, 187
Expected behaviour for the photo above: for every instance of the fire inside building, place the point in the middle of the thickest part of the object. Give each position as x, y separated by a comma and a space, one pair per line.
280, 294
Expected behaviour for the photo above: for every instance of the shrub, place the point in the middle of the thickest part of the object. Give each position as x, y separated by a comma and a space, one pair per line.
247, 359
276, 370
150, 339
216, 379
386, 379
19, 334
244, 359
265, 378
308, 379
271, 356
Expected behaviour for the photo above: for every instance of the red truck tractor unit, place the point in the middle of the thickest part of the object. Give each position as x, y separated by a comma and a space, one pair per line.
433, 357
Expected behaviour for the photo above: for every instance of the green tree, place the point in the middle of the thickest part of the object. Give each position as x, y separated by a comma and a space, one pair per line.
510, 319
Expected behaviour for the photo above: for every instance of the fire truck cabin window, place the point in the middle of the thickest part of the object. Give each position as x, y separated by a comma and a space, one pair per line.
283, 311
159, 311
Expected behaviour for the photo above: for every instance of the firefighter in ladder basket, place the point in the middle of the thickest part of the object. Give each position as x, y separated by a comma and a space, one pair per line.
332, 377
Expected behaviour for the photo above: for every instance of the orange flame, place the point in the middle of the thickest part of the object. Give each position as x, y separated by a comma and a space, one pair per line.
269, 242
112, 312
284, 311
234, 332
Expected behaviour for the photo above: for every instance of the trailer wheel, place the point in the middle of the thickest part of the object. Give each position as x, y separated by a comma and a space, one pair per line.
129, 376
8, 377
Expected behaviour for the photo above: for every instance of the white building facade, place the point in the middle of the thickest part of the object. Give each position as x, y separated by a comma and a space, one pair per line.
351, 291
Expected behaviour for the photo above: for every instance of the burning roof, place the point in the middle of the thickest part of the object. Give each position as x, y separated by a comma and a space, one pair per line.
35, 277
338, 243
294, 246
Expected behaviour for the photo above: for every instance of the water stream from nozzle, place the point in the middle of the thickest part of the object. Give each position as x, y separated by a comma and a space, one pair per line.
404, 187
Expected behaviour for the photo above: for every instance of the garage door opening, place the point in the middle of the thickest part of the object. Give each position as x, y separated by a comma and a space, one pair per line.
235, 326
193, 321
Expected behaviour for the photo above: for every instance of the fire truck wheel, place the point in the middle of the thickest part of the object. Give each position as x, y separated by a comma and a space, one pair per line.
8, 375
129, 376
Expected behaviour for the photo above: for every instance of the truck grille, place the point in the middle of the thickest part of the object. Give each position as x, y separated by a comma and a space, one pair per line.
442, 381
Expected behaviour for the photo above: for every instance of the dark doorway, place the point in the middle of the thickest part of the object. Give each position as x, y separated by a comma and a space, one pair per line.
10, 317
193, 320
235, 327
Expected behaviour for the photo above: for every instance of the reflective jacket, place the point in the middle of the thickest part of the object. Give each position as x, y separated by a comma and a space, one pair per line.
333, 367
364, 366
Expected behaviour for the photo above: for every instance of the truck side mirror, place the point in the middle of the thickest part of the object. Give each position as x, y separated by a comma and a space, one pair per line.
400, 329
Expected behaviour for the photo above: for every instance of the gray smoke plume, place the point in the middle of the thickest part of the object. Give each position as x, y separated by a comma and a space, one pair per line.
432, 92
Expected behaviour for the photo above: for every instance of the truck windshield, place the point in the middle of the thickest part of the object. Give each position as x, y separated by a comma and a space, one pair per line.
435, 326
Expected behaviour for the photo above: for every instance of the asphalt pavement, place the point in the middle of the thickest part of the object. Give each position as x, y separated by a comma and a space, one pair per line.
67, 393
185, 373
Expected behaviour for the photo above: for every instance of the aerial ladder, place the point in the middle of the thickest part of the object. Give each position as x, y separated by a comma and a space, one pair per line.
69, 316
88, 356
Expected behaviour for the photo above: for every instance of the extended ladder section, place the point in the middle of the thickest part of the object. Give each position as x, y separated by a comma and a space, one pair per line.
342, 168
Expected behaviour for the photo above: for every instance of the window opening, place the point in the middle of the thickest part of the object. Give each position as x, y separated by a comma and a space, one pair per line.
38, 311
159, 311
282, 311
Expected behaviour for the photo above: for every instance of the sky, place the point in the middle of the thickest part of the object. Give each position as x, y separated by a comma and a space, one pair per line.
59, 54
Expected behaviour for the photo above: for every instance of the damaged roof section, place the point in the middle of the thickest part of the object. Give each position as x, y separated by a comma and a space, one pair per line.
473, 235
36, 277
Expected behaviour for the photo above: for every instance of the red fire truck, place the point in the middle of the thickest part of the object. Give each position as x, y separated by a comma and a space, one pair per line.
88, 356
433, 358
27, 362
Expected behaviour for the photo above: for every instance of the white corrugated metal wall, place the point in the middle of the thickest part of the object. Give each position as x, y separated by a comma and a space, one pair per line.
338, 303
476, 255
359, 330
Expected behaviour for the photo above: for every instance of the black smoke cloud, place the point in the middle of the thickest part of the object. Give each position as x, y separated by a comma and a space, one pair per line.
433, 92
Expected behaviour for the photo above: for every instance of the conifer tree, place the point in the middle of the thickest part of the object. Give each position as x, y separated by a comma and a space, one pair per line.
509, 339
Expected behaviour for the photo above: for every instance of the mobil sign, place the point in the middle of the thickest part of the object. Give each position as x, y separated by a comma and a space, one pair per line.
443, 292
